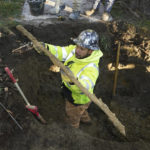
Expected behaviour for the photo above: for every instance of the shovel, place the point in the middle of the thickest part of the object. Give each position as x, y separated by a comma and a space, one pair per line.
31, 108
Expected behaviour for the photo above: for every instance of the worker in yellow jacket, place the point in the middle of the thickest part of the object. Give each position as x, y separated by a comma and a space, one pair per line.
82, 60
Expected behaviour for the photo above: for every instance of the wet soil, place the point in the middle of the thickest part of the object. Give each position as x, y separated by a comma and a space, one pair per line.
43, 89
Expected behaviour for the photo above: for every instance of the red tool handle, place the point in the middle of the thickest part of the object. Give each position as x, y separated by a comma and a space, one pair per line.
10, 74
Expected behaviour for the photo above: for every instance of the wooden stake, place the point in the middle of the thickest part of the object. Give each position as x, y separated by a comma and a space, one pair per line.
93, 98
116, 70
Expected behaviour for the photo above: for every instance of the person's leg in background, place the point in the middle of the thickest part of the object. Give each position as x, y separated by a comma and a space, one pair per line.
96, 5
58, 8
76, 10
108, 5
55, 10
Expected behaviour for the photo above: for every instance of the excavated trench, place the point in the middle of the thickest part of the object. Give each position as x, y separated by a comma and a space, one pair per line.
43, 88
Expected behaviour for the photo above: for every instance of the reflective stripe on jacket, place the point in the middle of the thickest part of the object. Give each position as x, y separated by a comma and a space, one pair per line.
85, 70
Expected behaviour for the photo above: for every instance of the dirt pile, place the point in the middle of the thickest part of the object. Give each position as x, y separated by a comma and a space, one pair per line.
43, 88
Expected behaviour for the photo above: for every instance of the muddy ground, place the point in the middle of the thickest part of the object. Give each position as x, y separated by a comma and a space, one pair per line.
43, 88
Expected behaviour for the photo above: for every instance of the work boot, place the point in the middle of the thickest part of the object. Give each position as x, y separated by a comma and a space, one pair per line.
74, 15
90, 12
107, 17
62, 7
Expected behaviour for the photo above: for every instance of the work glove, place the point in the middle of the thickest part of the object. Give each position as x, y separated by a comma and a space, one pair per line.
37, 49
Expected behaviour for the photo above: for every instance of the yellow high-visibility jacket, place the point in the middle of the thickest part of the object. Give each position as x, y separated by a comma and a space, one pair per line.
85, 70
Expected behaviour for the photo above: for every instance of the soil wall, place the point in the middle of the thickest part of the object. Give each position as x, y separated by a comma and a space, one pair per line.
43, 88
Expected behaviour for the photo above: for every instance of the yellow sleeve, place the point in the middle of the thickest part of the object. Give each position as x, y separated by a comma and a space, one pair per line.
60, 52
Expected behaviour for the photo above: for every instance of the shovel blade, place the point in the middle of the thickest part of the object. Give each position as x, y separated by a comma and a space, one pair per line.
34, 110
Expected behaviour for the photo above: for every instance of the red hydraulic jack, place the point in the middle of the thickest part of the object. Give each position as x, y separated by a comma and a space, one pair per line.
31, 108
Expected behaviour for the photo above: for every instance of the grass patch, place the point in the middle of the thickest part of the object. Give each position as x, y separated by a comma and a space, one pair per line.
8, 22
10, 9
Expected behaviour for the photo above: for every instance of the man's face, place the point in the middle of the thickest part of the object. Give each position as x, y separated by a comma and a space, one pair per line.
82, 52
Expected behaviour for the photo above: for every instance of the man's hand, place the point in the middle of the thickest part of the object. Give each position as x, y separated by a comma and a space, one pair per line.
90, 12
37, 49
